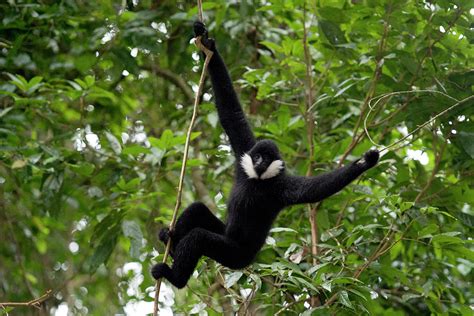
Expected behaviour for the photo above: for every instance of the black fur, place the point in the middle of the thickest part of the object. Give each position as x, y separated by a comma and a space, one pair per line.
254, 203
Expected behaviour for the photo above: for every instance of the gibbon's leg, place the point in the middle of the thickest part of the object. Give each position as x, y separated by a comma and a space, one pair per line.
200, 242
195, 215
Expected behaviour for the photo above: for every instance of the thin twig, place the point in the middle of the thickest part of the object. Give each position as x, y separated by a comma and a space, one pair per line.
200, 10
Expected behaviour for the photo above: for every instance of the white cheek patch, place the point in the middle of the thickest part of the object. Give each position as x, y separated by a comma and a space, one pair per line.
272, 170
247, 165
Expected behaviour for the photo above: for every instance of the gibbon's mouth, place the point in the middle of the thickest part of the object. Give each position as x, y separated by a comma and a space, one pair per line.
273, 169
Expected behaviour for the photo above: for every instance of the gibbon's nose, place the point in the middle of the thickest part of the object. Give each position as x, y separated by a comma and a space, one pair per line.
258, 161
260, 169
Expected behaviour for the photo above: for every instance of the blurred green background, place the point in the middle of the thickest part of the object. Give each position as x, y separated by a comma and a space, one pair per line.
95, 99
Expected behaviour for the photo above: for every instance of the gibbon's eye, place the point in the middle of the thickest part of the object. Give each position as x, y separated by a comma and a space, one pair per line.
258, 159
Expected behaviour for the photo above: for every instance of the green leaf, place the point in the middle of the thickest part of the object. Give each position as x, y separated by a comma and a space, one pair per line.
19, 81
35, 80
327, 286
5, 310
274, 47
17, 164
332, 32
101, 253
106, 225
447, 238
344, 298
467, 142
84, 169
90, 80
427, 231
332, 3
409, 296
331, 233
114, 143
258, 281
316, 267
132, 230
135, 150
358, 293
466, 219
232, 278
282, 229
34, 84
5, 111
405, 206
129, 186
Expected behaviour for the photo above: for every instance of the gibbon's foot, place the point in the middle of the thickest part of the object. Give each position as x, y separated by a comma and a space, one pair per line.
200, 30
370, 158
159, 270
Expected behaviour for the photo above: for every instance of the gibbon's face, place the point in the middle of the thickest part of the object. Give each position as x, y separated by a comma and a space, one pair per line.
263, 161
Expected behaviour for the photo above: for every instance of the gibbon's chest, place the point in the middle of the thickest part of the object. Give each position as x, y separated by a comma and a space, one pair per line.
252, 197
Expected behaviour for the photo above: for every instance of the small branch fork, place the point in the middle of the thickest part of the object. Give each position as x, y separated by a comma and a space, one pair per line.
379, 98
208, 54
35, 302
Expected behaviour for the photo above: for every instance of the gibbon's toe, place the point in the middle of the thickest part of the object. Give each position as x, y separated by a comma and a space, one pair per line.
371, 157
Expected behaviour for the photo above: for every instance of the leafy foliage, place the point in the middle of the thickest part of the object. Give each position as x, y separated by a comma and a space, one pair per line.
95, 98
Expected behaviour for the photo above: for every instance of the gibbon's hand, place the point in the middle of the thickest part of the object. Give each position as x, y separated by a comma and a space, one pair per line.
165, 234
200, 30
370, 159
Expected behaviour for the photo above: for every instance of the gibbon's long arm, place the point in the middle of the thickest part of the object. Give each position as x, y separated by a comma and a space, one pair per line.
301, 190
230, 111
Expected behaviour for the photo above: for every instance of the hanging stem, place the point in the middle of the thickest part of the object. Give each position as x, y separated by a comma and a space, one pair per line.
200, 11
208, 54
309, 117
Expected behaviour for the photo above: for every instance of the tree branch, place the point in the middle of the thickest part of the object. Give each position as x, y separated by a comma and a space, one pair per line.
174, 79
35, 302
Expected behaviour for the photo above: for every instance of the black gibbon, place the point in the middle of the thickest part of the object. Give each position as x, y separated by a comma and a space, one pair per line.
261, 190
